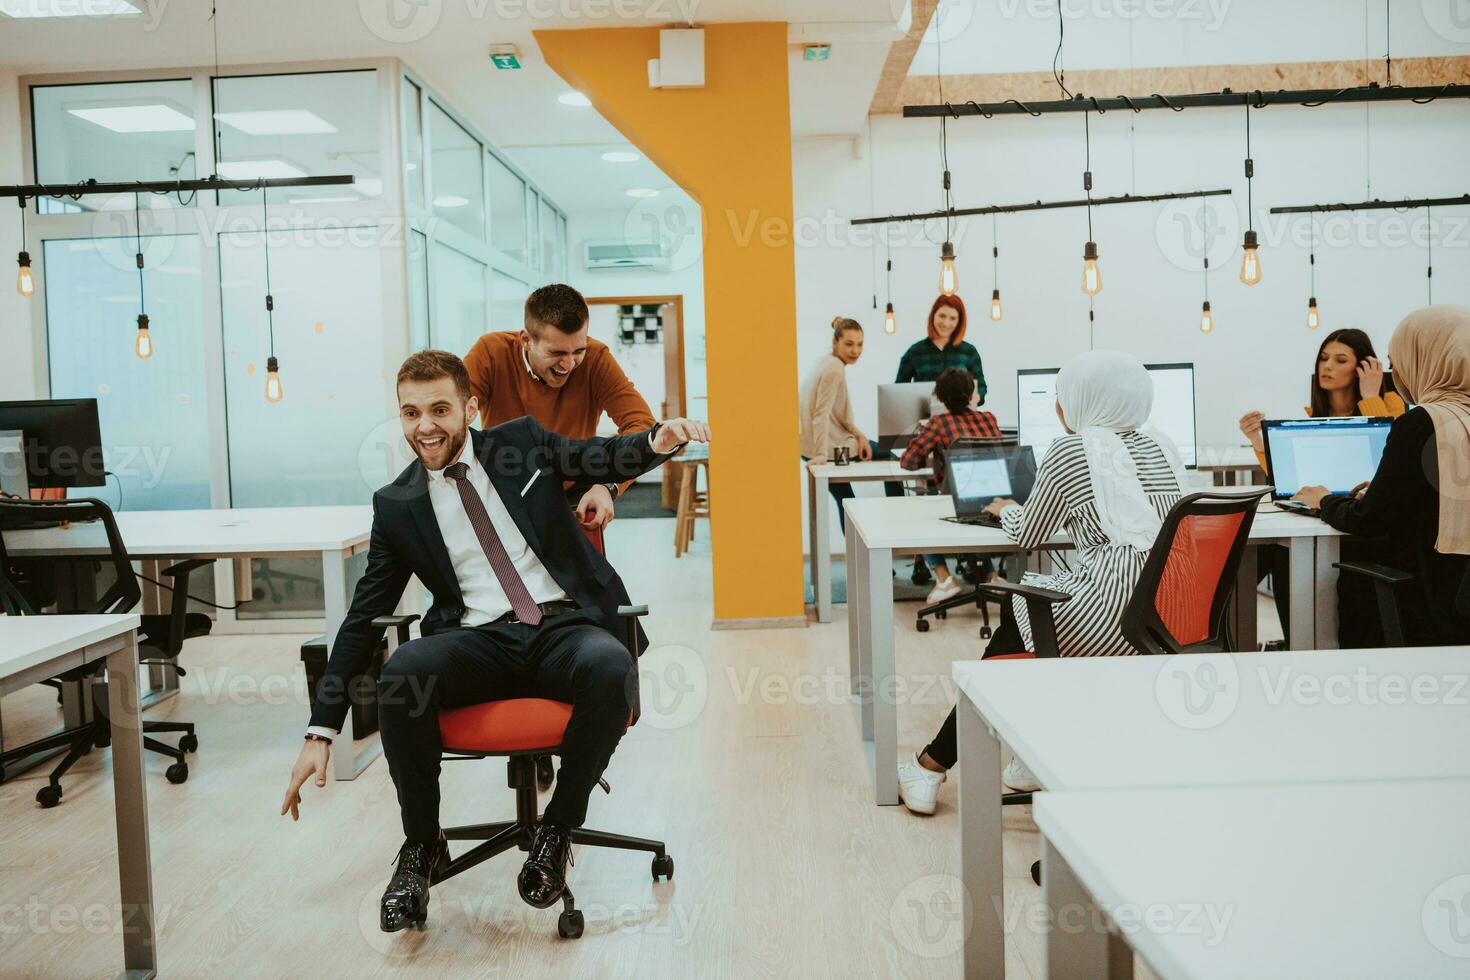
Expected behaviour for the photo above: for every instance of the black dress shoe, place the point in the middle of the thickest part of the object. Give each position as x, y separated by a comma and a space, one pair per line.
543, 877
545, 773
406, 900
921, 574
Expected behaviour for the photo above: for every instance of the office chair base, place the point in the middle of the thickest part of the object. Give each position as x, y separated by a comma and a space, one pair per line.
502, 835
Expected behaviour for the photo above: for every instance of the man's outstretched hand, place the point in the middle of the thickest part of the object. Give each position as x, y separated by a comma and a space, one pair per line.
675, 432
311, 762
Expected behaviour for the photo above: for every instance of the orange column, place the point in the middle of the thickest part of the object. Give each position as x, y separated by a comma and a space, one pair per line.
728, 145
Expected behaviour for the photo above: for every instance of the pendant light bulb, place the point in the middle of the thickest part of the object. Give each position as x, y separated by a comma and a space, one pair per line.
143, 343
1206, 319
273, 389
949, 282
1250, 260
995, 310
1091, 274
25, 283
890, 324
1314, 319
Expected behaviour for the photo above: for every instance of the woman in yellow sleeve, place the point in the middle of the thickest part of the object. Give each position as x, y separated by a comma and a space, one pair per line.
1349, 381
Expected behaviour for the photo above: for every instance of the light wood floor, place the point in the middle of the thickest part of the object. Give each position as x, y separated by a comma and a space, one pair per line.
747, 762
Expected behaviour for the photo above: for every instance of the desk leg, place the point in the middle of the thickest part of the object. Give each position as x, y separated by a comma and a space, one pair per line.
1072, 944
859, 608
1302, 563
1328, 550
811, 529
878, 623
1245, 601
822, 550
982, 873
130, 798
347, 760
855, 609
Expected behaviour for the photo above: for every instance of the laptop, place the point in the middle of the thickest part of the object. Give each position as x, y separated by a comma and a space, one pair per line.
1336, 453
976, 474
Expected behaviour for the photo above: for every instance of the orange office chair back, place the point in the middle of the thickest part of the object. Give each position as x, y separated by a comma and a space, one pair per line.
1180, 601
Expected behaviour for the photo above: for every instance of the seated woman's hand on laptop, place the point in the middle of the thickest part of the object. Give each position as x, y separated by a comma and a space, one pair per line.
1311, 496
997, 505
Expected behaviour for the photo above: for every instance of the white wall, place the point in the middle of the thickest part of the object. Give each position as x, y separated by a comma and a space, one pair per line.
16, 366
1370, 265
685, 275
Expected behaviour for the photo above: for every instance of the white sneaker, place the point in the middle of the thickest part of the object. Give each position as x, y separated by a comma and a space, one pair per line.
1019, 778
948, 589
918, 787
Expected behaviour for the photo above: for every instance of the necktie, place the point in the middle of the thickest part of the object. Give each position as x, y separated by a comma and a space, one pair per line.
521, 602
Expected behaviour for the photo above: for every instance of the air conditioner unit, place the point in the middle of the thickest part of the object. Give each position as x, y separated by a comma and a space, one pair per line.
617, 254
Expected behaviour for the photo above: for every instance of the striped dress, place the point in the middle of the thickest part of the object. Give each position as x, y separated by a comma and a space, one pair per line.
1103, 574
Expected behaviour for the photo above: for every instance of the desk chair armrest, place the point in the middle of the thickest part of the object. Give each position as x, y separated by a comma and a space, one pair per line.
184, 568
399, 626
1385, 580
630, 616
1038, 610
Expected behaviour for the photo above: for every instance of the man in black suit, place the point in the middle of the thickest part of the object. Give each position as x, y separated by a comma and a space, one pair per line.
522, 606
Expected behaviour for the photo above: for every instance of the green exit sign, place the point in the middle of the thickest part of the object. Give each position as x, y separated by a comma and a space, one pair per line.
817, 52
506, 62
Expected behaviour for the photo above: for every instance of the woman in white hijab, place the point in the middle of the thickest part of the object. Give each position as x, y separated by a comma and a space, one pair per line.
1417, 508
1109, 485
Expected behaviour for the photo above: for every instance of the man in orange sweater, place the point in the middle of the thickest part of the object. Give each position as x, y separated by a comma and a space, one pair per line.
552, 371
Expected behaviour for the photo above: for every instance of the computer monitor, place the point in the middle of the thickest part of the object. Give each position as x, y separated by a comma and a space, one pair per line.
974, 475
1336, 453
901, 407
61, 442
1173, 411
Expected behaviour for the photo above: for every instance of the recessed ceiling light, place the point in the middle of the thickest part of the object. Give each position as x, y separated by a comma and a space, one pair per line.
276, 122
620, 156
642, 192
252, 169
136, 118
410, 167
450, 201
68, 8
573, 98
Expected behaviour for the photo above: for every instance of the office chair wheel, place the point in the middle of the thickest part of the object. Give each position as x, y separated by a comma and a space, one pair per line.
922, 626
103, 738
663, 866
48, 796
942, 614
569, 924
1036, 871
189, 743
177, 773
985, 632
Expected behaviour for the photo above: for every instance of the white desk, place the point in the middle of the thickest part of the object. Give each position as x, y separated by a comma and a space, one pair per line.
1226, 719
33, 648
332, 534
1228, 464
1368, 879
879, 528
819, 501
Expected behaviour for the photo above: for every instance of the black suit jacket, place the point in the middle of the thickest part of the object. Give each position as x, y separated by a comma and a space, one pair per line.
406, 539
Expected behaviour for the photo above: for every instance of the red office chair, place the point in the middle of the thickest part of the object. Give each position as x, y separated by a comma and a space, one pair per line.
1179, 603
521, 729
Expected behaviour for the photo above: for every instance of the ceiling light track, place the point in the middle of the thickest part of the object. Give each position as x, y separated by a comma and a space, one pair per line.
1406, 204
25, 191
1095, 202
1258, 99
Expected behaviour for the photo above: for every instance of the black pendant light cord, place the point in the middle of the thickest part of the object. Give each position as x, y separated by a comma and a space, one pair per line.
138, 239
1429, 253
1312, 259
1205, 230
1060, 77
22, 202
1250, 173
994, 253
1087, 168
265, 232
1387, 46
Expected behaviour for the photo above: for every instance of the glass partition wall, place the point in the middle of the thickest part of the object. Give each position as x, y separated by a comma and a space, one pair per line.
437, 240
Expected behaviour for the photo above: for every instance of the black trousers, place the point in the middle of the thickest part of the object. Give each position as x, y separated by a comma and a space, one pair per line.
945, 749
568, 657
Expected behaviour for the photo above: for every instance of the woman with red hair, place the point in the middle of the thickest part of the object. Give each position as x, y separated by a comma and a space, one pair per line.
944, 348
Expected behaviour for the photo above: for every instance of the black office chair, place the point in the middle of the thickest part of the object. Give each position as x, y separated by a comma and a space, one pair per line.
161, 637
1389, 587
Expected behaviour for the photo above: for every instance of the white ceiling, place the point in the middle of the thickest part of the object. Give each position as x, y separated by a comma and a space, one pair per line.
446, 42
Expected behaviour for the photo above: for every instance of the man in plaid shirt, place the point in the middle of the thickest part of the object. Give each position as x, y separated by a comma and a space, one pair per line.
955, 389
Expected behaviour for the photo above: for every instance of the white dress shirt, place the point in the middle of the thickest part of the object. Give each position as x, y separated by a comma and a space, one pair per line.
484, 599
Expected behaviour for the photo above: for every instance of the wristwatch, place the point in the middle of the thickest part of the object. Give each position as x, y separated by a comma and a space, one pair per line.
613, 489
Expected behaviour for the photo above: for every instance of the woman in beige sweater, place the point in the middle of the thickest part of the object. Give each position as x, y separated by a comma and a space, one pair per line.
826, 413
